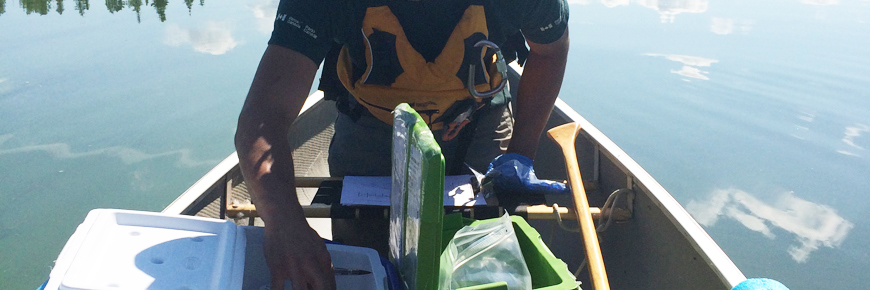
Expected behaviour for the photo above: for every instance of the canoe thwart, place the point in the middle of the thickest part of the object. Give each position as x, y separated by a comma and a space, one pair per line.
314, 181
534, 212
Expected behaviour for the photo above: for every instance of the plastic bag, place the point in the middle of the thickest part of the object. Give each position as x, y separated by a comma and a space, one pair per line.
484, 253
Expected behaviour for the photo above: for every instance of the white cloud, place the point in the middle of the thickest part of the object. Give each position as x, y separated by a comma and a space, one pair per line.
580, 2
725, 26
821, 2
686, 59
813, 225
722, 26
690, 64
615, 3
265, 11
808, 117
213, 38
854, 132
692, 72
668, 9
849, 153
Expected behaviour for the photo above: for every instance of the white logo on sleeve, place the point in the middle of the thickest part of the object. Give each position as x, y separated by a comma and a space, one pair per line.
296, 23
552, 24
310, 31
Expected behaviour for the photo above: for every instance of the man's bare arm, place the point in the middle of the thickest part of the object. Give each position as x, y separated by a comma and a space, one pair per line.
293, 250
277, 93
538, 89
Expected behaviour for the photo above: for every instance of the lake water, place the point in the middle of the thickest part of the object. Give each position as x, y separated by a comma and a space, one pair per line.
755, 115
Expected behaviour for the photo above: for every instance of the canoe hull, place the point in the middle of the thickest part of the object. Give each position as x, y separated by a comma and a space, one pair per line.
660, 247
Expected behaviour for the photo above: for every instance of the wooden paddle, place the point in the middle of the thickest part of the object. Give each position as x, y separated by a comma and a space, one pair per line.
564, 136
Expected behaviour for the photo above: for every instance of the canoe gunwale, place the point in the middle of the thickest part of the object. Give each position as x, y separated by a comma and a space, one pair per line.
204, 187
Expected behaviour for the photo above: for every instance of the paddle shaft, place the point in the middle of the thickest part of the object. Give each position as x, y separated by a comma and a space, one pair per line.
564, 136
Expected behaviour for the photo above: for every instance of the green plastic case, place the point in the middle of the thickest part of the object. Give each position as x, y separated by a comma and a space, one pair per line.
417, 200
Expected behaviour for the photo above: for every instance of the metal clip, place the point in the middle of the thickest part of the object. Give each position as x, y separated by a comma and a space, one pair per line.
500, 65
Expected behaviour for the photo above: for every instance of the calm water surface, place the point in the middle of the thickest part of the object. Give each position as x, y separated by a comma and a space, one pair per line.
755, 115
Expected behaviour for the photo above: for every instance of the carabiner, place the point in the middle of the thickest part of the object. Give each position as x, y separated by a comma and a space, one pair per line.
500, 66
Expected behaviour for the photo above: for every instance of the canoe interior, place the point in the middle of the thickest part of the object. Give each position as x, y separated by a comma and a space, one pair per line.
656, 249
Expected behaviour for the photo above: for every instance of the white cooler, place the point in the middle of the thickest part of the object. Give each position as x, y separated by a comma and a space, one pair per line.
122, 249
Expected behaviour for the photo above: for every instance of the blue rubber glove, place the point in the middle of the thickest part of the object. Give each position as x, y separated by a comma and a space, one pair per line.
513, 172
760, 284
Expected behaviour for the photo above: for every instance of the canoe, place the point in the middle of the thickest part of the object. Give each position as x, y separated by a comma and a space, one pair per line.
653, 244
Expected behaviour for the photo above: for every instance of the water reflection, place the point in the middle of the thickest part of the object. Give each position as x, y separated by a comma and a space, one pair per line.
43, 7
806, 117
666, 8
125, 154
813, 225
4, 85
614, 3
725, 26
821, 2
264, 12
852, 133
690, 65
40, 7
670, 8
801, 129
214, 38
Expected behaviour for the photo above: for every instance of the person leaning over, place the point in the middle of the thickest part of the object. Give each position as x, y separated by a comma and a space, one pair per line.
391, 52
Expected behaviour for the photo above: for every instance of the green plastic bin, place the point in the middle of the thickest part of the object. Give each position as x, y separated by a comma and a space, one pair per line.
547, 271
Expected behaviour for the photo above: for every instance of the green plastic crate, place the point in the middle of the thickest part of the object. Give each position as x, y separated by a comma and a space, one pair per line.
547, 271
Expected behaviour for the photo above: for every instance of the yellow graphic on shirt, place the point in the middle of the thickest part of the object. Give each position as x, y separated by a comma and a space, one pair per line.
396, 73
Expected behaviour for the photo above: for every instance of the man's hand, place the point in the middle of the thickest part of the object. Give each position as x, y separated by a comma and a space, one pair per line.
513, 173
295, 252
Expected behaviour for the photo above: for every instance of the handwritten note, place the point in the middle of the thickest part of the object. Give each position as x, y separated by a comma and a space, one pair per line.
375, 190
365, 190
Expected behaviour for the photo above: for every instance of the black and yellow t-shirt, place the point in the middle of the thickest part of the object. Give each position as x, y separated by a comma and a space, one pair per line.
412, 51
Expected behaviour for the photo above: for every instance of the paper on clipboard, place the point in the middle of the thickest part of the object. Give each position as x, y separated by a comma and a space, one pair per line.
375, 190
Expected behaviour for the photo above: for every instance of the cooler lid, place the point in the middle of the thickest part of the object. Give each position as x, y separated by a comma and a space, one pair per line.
122, 249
